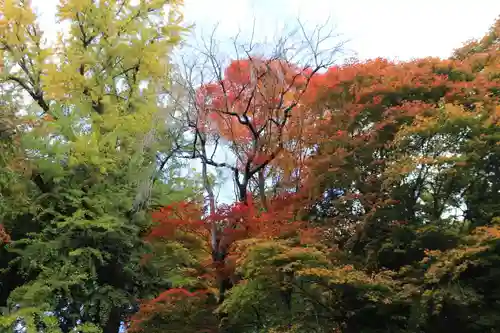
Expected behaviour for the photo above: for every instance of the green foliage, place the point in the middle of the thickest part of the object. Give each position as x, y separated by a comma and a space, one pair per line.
406, 238
402, 189
74, 162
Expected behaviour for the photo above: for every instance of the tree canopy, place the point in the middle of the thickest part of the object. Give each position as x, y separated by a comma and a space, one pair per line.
367, 193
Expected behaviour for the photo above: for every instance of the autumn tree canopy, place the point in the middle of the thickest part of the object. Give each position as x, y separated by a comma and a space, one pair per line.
392, 212
367, 194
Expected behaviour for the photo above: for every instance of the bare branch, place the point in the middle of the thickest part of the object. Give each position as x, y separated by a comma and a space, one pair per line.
278, 75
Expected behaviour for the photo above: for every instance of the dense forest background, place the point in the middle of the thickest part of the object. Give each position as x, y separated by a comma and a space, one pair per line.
366, 194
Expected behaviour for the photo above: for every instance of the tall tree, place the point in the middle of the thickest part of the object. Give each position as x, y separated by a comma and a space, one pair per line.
398, 233
247, 109
251, 108
98, 96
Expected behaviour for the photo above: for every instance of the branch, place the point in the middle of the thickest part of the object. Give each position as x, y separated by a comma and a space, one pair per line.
37, 97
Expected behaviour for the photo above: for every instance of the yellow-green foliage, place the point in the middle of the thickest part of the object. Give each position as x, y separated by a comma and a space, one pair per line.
99, 83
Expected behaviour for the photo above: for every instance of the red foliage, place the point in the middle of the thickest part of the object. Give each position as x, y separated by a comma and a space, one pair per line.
233, 222
4, 236
237, 221
166, 301
177, 294
182, 215
253, 107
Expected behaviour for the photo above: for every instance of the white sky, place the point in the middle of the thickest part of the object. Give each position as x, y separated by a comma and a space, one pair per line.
386, 28
394, 29
383, 28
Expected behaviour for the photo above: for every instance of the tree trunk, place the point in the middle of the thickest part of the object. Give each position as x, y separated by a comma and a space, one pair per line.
114, 321
262, 189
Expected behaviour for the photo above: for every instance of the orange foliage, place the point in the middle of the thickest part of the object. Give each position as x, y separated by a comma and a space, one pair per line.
48, 117
359, 107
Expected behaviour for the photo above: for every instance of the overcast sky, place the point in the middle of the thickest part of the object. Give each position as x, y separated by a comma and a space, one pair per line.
383, 28
387, 28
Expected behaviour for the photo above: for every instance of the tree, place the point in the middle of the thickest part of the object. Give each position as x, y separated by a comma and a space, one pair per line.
366, 194
250, 104
409, 145
250, 109
73, 262
397, 229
